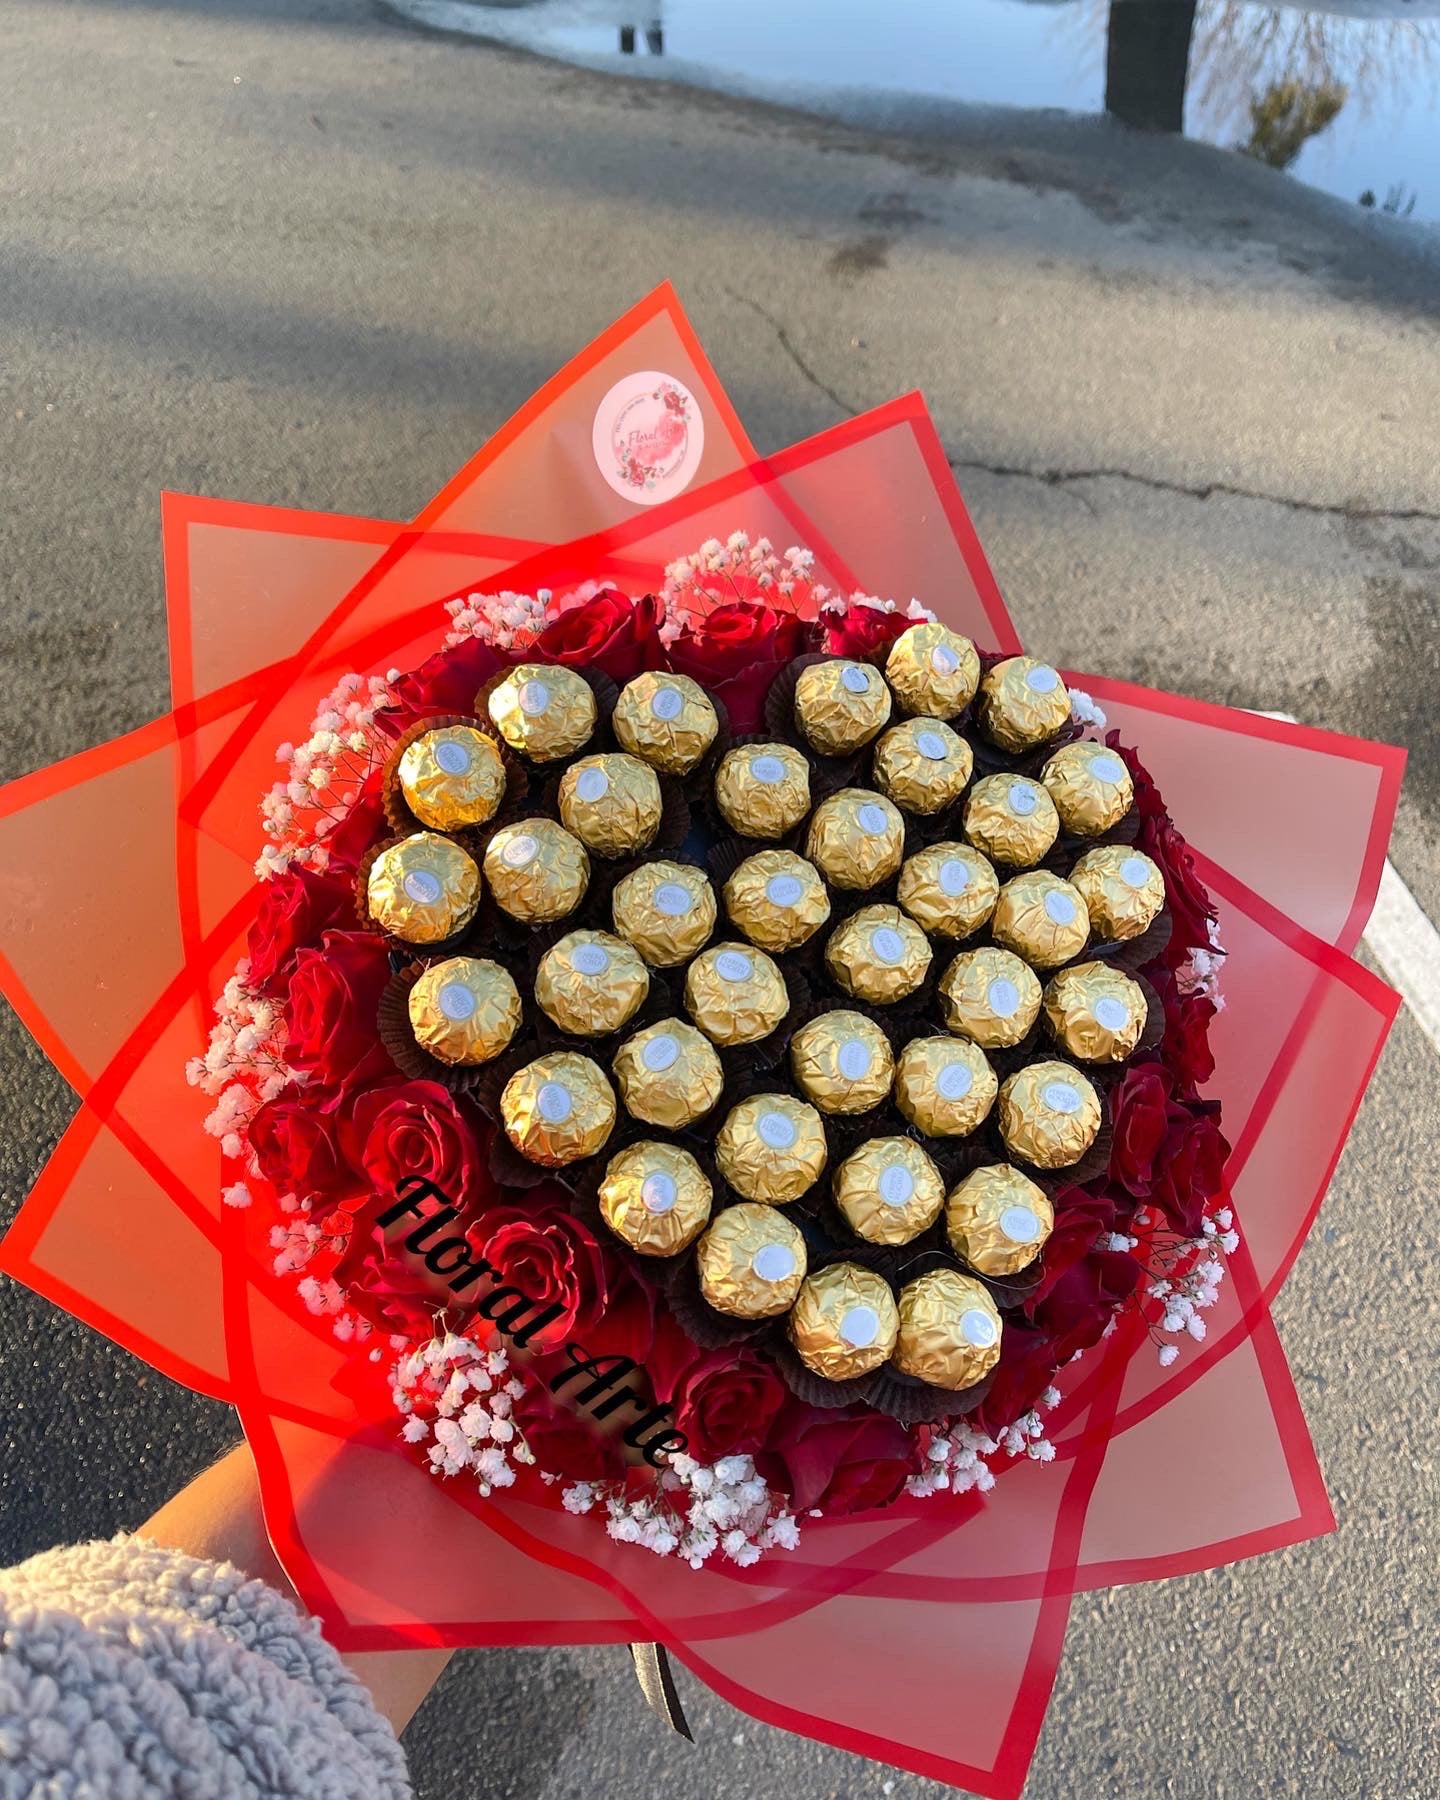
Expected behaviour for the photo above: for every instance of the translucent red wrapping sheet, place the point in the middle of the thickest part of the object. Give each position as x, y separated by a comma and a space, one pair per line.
145, 847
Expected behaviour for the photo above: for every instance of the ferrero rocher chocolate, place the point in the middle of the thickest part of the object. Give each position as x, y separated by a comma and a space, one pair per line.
750, 1262
879, 954
656, 1198
1049, 1115
856, 838
1090, 785
1041, 918
1123, 890
997, 1219
771, 1148
950, 1330
611, 803
933, 670
423, 889
558, 1109
777, 899
763, 790
1022, 702
990, 996
842, 1062
944, 1086
1012, 819
590, 983
543, 710
889, 1190
452, 777
536, 870
950, 889
840, 705
666, 910
735, 994
464, 1010
922, 765
667, 719
1095, 1012
844, 1322
668, 1074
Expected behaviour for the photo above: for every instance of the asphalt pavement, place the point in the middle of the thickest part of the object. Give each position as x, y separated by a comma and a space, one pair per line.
297, 252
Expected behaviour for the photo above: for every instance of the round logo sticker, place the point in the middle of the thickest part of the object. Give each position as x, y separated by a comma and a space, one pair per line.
854, 1059
930, 744
672, 900
1023, 799
776, 1131
657, 1192
1135, 871
954, 1081
872, 819
954, 877
1113, 1014
1060, 1097
978, 1328
1019, 1224
520, 851
589, 959
534, 698
1042, 680
553, 1103
783, 890
453, 758
860, 1327
1004, 998
648, 437
773, 1262
887, 945
897, 1185
422, 887
854, 679
734, 965
1059, 908
456, 1001
592, 783
1107, 768
943, 660
666, 703
767, 769
661, 1053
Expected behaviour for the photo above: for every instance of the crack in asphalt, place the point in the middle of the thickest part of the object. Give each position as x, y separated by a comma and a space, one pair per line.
1064, 478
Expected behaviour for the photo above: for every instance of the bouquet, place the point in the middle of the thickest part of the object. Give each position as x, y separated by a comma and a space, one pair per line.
734, 1108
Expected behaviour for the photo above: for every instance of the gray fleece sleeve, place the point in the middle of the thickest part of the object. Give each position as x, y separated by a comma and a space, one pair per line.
128, 1672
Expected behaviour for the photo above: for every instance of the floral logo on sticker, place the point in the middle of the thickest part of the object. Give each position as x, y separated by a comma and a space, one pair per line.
648, 437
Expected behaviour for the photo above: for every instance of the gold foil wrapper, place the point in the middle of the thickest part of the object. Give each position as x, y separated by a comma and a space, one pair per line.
1041, 918
763, 790
557, 1109
889, 1190
668, 1074
611, 803
772, 1148
1123, 889
1090, 785
750, 1262
934, 671
922, 765
944, 1086
543, 710
1023, 702
1012, 819
1095, 1013
844, 1321
879, 954
666, 910
842, 1062
666, 719
950, 1330
950, 889
990, 996
452, 777
655, 1198
997, 1220
777, 899
464, 1010
840, 705
423, 889
735, 994
590, 983
536, 870
1049, 1115
856, 838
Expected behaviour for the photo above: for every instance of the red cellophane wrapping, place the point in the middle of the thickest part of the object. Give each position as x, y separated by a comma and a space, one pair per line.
927, 1633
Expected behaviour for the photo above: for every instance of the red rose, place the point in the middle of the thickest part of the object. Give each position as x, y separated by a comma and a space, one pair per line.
297, 909
294, 1143
1186, 1044
392, 1289
1190, 1173
838, 1461
736, 652
1078, 1308
1027, 1366
446, 682
863, 632
404, 1128
1191, 907
567, 1442
609, 632
358, 830
725, 1401
333, 1007
1138, 1110
555, 1260
1079, 1220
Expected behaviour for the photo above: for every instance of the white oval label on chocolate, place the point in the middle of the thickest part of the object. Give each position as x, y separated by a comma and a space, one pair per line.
860, 1326
657, 1192
1023, 799
784, 890
777, 1131
773, 1262
457, 1002
954, 1081
673, 899
1113, 1014
1060, 1097
854, 679
1135, 871
931, 744
873, 819
978, 1329
1107, 768
422, 887
451, 757
897, 1185
589, 959
1019, 1224
661, 1053
553, 1103
943, 660
1060, 908
1003, 998
520, 852
1041, 680
954, 877
592, 783
667, 703
887, 945
854, 1059
734, 965
768, 770
534, 698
